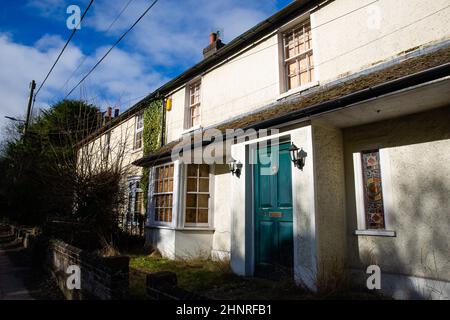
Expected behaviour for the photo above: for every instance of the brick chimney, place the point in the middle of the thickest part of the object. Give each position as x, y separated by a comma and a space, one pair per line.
214, 45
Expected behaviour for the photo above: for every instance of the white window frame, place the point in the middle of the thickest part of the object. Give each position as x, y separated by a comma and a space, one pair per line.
284, 86
133, 190
188, 125
175, 192
210, 200
138, 130
107, 146
386, 186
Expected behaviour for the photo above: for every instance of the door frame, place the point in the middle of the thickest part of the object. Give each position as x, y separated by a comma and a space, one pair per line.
250, 239
304, 218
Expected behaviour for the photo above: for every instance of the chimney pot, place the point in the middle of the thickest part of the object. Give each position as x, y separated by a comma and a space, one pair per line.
212, 37
214, 45
109, 113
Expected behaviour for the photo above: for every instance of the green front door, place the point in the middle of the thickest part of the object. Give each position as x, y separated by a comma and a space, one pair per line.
273, 212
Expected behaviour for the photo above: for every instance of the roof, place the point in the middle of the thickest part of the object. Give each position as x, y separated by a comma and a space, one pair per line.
265, 27
322, 97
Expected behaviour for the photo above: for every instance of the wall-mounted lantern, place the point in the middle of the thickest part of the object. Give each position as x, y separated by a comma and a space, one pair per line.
298, 156
235, 168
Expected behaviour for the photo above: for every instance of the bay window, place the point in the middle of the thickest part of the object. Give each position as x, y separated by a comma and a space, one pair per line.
197, 195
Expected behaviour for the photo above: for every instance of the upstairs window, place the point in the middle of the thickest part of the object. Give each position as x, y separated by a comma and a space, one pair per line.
298, 56
139, 131
197, 195
107, 145
193, 111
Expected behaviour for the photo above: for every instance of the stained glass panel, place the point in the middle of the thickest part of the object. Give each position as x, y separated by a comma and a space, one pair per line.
373, 193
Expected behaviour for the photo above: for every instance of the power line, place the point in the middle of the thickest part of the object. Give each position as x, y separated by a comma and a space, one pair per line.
107, 30
112, 47
62, 51
119, 15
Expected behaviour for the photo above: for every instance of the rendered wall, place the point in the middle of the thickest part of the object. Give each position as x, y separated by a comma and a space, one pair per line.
329, 185
222, 218
121, 146
379, 32
418, 151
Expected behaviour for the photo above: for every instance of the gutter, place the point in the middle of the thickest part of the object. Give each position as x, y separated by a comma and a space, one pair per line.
412, 80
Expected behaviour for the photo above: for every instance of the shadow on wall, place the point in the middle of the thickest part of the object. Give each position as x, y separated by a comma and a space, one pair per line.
419, 158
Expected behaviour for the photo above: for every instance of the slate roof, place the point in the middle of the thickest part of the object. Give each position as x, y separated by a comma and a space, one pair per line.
323, 94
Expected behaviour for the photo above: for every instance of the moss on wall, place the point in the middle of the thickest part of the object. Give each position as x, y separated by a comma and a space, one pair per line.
152, 138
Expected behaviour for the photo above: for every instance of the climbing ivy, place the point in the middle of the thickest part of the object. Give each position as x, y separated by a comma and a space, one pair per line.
152, 138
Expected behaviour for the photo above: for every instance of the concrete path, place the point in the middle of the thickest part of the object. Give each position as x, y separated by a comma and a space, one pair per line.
11, 280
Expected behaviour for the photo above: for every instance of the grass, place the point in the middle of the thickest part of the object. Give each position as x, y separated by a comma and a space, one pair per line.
210, 279
215, 280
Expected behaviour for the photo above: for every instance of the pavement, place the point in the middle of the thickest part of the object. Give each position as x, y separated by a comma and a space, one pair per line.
12, 285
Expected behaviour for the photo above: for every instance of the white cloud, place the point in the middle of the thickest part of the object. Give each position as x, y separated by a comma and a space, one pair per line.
174, 32
121, 77
171, 36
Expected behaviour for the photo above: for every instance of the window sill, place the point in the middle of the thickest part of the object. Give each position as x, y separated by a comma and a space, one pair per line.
298, 90
202, 229
376, 233
136, 150
192, 129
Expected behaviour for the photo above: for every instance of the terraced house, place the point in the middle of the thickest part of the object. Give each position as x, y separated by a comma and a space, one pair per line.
354, 99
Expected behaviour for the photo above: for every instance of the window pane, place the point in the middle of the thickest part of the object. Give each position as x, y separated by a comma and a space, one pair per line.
170, 185
191, 201
139, 203
204, 185
195, 121
191, 215
304, 77
192, 170
202, 216
292, 68
192, 185
203, 201
373, 190
168, 215
204, 170
293, 82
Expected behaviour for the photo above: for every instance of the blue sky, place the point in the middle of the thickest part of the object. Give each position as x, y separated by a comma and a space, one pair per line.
167, 41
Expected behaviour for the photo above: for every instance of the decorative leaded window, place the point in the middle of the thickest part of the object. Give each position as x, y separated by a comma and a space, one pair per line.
163, 193
298, 56
373, 193
197, 194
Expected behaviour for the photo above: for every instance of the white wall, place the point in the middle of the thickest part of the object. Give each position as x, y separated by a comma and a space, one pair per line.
221, 208
368, 36
417, 148
121, 145
251, 79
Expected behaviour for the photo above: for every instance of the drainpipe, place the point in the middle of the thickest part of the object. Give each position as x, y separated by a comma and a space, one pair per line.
163, 123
